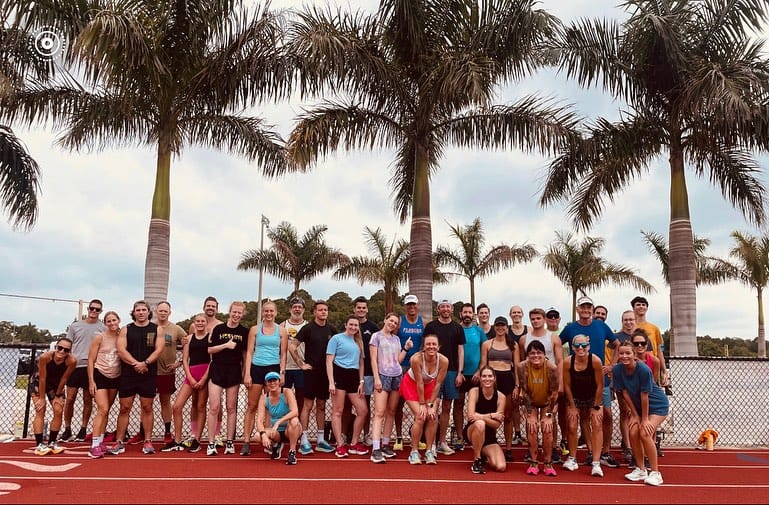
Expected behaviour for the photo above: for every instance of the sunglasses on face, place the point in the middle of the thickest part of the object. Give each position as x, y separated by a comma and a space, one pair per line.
94, 309
63, 349
581, 346
639, 344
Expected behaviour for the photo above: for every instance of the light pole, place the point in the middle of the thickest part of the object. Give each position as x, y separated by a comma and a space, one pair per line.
265, 223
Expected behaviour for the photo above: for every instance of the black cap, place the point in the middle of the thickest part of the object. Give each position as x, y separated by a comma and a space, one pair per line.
500, 320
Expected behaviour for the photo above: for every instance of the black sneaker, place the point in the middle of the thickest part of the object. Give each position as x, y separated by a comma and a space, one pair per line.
588, 459
246, 449
608, 460
527, 457
291, 458
509, 455
477, 466
172, 447
194, 445
80, 435
556, 457
66, 435
276, 450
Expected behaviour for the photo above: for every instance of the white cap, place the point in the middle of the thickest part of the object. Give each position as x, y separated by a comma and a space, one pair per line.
410, 299
584, 300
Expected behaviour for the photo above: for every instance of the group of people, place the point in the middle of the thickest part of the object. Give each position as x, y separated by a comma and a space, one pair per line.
493, 374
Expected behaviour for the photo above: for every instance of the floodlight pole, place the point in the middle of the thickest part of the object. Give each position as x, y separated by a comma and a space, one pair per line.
265, 223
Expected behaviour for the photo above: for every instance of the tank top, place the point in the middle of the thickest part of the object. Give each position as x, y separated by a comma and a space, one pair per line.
140, 342
292, 329
107, 361
266, 347
649, 362
505, 355
546, 340
415, 331
538, 385
197, 351
53, 374
278, 410
484, 405
583, 384
427, 377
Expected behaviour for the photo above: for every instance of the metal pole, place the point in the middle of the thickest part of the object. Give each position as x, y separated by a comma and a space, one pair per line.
265, 222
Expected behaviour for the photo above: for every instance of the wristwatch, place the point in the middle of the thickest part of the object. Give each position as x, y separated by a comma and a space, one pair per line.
430, 405
596, 407
147, 362
548, 414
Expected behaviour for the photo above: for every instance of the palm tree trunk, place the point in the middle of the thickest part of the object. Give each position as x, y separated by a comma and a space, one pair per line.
472, 292
389, 296
761, 334
421, 240
683, 287
156, 266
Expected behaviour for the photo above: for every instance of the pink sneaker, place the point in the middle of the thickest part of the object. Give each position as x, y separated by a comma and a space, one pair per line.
533, 469
549, 470
96, 452
341, 451
358, 449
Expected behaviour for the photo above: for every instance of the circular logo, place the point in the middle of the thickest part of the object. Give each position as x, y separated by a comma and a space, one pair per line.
47, 43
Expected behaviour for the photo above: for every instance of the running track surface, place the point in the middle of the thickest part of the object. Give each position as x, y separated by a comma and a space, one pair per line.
691, 476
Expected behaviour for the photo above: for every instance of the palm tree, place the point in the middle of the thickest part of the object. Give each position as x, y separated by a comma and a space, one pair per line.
579, 267
418, 77
696, 88
388, 265
165, 74
751, 269
472, 262
295, 259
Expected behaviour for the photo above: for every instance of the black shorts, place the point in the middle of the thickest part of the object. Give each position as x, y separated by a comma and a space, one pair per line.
489, 437
467, 384
316, 384
505, 381
34, 389
103, 382
79, 378
225, 376
346, 379
142, 385
259, 371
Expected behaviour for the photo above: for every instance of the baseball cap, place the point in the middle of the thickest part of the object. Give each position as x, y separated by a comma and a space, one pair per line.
584, 300
445, 302
500, 320
410, 299
553, 311
271, 375
296, 301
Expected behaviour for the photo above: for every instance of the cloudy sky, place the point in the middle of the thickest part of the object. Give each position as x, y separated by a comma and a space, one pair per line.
90, 240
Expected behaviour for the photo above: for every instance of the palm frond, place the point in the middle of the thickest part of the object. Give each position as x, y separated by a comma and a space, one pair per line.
19, 181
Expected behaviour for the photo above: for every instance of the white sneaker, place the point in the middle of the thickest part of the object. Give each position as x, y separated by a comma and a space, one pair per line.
443, 448
596, 471
654, 479
637, 475
570, 464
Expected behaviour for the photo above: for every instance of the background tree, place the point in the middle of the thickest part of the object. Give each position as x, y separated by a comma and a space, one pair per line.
579, 267
471, 261
295, 259
696, 86
416, 77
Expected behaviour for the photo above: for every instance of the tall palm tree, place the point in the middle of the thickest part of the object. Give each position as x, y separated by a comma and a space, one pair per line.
696, 87
751, 269
418, 77
165, 74
291, 258
388, 265
472, 261
579, 267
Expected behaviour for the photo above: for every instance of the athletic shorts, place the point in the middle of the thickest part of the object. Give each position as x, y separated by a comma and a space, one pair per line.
489, 437
449, 390
390, 383
505, 381
368, 385
79, 378
34, 390
606, 399
197, 372
408, 389
294, 379
346, 379
259, 371
316, 384
467, 384
103, 382
225, 376
143, 385
166, 384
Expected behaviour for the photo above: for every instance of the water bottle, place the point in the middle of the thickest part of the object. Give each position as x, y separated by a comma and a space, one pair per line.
328, 433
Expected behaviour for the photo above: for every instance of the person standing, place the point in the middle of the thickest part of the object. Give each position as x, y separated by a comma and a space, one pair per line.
623, 335
173, 338
640, 307
517, 330
411, 327
451, 337
315, 336
227, 347
103, 379
484, 320
367, 329
139, 346
294, 377
81, 335
474, 338
51, 374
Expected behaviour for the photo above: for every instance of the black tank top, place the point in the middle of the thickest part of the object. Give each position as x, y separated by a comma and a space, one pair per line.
140, 342
198, 351
53, 374
583, 383
484, 406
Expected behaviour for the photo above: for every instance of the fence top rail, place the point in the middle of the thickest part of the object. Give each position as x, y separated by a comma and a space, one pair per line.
718, 358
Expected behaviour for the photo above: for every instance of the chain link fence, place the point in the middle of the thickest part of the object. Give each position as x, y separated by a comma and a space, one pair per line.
729, 395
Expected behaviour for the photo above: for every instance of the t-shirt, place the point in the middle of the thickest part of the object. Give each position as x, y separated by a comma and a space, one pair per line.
345, 351
474, 337
366, 330
222, 334
655, 337
621, 337
173, 335
388, 347
597, 331
81, 334
450, 337
641, 380
414, 331
315, 338
292, 329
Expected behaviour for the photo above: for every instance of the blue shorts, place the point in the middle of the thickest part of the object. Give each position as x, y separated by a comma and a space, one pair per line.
606, 399
449, 390
368, 385
389, 383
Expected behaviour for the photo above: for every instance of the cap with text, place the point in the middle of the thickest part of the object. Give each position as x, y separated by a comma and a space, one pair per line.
584, 300
410, 299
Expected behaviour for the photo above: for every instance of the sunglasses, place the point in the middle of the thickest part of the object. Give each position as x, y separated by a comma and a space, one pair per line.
94, 309
63, 349
639, 344
581, 346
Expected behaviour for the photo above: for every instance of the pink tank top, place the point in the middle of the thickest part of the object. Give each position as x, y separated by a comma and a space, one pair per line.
107, 360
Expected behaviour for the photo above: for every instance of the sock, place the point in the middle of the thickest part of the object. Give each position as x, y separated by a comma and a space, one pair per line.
320, 437
38, 438
376, 444
168, 427
385, 441
52, 436
96, 441
193, 427
304, 438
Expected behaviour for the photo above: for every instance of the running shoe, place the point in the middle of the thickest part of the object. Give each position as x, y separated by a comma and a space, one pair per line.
194, 445
564, 448
533, 469
477, 466
443, 448
305, 448
387, 452
167, 438
421, 446
430, 458
187, 442
66, 435
555, 455
42, 449
596, 470
7, 437
358, 448
654, 479
608, 460
377, 456
588, 459
549, 470
147, 448
118, 448
277, 449
136, 439
219, 440
459, 445
341, 451
80, 437
637, 475
211, 450
398, 445
571, 464
110, 437
323, 446
517, 439
246, 449
229, 447
627, 455
96, 452
291, 458
55, 448
414, 458
172, 447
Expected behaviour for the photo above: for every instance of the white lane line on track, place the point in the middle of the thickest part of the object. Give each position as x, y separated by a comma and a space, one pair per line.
35, 467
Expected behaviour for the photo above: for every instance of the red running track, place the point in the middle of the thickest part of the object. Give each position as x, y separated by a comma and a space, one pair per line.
691, 476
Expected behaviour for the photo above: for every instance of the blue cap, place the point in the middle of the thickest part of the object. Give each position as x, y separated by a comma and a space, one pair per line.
271, 375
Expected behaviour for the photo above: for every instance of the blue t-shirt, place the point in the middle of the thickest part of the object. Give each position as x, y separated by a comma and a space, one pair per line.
415, 331
346, 352
640, 381
598, 332
474, 337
